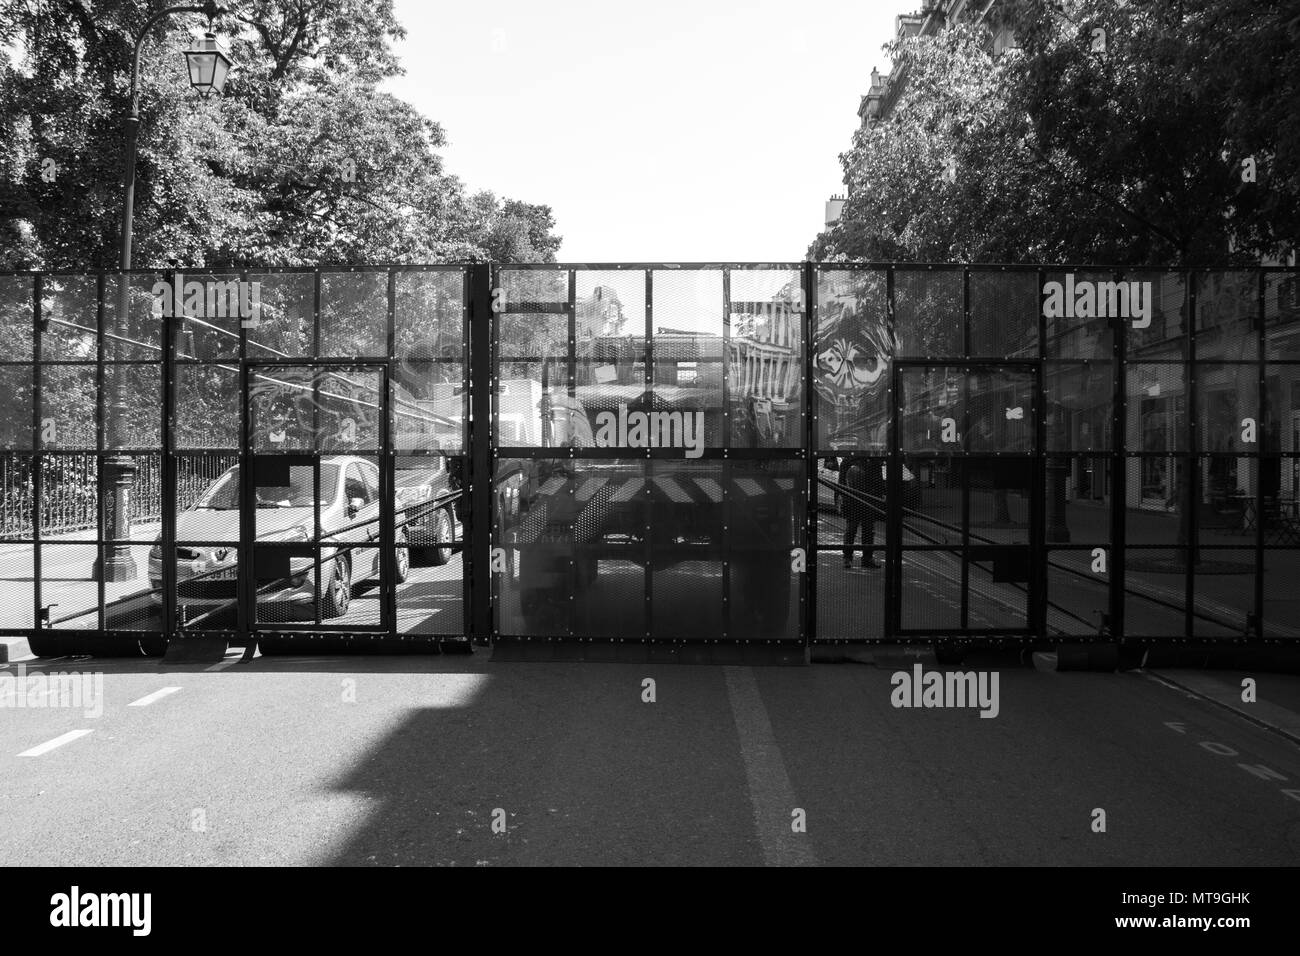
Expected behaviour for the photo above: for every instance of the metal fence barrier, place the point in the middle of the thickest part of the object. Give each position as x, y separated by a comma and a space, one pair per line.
692, 454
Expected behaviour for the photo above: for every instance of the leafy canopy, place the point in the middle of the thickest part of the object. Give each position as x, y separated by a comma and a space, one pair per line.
1116, 132
303, 161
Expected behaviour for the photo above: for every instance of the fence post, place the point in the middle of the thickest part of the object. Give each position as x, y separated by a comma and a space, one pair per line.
479, 565
810, 458
168, 501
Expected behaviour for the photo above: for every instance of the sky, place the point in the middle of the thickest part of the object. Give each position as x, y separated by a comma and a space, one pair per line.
663, 131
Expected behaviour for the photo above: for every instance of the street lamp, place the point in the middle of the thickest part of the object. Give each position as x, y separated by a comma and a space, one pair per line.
208, 66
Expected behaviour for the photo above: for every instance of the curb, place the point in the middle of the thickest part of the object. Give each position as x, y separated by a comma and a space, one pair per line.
1283, 722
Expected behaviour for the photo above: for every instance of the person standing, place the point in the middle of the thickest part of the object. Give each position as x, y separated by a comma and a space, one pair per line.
859, 510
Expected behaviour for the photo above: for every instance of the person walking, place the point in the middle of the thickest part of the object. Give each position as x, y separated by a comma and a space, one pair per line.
856, 477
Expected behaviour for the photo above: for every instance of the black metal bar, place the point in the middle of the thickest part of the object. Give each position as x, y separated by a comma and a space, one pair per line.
480, 471
461, 509
387, 474
1119, 474
38, 446
726, 359
245, 588
728, 612
571, 392
964, 447
894, 473
649, 577
808, 327
102, 421
1192, 467
1263, 414
167, 531
1039, 553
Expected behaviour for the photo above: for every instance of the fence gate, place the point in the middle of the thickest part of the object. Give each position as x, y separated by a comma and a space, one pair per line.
317, 500
648, 458
963, 489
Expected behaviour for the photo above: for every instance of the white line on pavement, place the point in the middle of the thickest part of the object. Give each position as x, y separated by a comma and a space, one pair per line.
770, 792
222, 665
148, 699
49, 745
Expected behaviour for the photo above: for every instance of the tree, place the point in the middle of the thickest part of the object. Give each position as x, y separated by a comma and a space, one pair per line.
946, 175
1116, 133
304, 161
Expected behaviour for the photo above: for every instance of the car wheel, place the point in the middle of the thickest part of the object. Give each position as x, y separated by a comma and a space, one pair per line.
402, 561
440, 554
337, 592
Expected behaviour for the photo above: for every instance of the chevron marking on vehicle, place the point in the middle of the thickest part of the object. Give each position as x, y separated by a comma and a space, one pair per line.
710, 487
590, 487
552, 486
533, 523
749, 486
672, 489
629, 488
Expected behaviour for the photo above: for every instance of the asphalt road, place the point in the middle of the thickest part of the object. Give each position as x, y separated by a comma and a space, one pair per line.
409, 760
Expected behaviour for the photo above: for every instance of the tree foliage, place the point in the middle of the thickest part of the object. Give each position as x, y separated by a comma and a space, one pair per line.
1116, 132
303, 161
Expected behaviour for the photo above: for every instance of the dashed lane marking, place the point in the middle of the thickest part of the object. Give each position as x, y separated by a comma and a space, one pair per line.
49, 745
148, 699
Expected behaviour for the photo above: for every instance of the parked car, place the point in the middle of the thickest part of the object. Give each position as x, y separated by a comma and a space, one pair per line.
206, 574
432, 530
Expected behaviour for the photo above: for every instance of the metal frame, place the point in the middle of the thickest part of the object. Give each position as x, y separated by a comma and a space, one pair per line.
480, 375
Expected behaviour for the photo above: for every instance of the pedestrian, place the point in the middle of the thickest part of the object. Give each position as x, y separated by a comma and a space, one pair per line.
858, 507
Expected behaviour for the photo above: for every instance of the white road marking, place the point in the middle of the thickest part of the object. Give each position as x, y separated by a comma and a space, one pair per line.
770, 792
1279, 720
148, 699
49, 745
233, 656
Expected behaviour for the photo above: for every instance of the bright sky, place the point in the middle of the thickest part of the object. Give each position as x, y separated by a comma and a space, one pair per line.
665, 131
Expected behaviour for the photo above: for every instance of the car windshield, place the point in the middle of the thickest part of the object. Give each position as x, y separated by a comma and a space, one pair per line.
298, 493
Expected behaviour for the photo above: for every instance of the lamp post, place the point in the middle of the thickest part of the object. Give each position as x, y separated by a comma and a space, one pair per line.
208, 65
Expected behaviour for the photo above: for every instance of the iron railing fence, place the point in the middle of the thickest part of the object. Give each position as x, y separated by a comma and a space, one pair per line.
70, 497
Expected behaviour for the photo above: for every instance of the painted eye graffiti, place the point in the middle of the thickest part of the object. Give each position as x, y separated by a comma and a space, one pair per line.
844, 365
